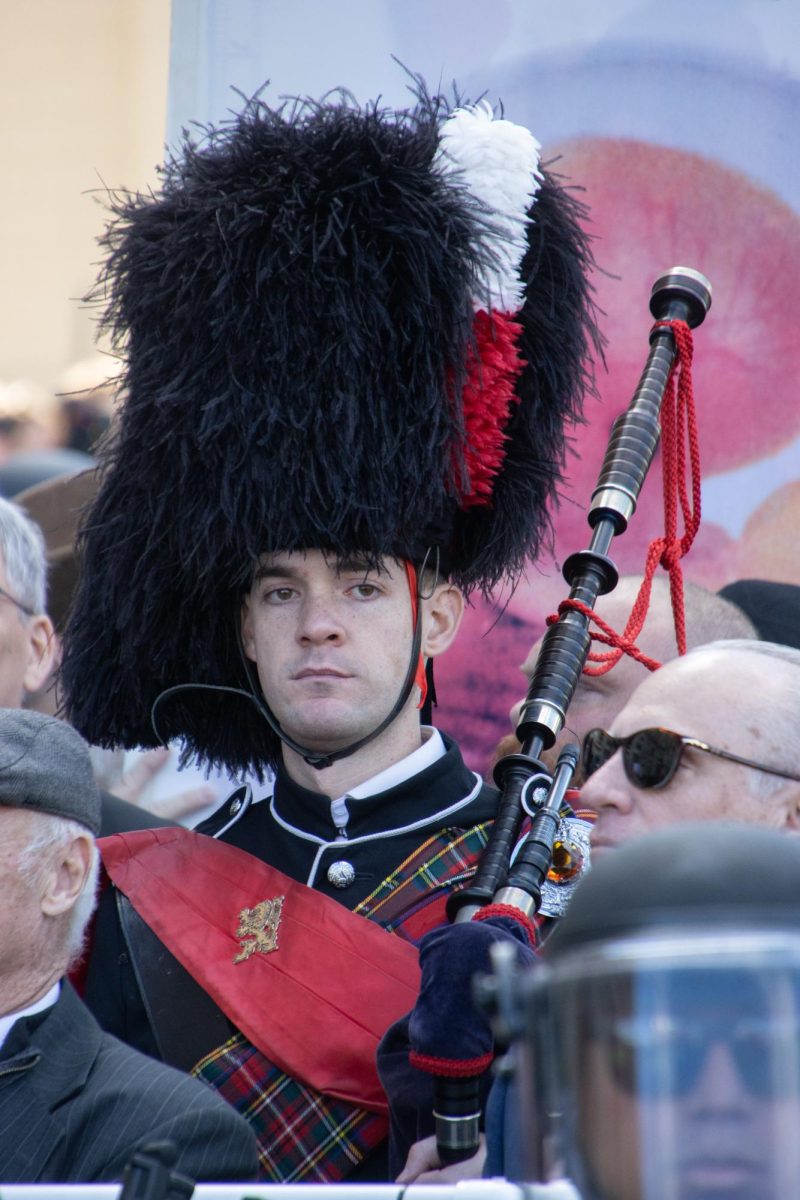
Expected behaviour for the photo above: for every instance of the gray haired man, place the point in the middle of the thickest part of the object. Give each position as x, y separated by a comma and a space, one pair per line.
27, 645
75, 1103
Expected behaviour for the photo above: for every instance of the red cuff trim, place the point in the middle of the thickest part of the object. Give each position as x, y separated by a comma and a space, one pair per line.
516, 914
452, 1068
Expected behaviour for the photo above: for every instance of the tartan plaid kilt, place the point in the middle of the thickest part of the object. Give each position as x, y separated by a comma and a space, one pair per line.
304, 1136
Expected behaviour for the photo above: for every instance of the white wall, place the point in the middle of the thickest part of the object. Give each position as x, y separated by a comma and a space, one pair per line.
83, 87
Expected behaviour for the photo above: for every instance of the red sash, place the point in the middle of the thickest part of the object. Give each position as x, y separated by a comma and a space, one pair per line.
319, 1003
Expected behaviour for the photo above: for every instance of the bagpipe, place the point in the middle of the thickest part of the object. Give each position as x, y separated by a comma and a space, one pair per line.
449, 1040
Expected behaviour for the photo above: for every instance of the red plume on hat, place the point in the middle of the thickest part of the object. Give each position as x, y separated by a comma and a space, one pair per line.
347, 328
499, 163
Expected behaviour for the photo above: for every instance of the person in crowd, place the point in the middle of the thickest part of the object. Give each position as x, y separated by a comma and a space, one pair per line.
27, 469
29, 645
660, 1055
772, 605
75, 1103
87, 394
345, 395
598, 698
706, 738
28, 419
152, 779
709, 737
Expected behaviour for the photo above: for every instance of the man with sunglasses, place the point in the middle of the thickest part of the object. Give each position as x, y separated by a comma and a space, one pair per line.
707, 737
710, 736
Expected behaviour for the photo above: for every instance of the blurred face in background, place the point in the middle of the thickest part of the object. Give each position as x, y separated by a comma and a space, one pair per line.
598, 698
26, 647
694, 1100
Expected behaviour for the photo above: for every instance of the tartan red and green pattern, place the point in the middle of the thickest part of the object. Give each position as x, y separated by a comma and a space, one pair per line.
412, 899
304, 1136
301, 1134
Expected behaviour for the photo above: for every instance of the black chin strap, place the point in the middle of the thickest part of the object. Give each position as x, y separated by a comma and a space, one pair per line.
314, 759
426, 712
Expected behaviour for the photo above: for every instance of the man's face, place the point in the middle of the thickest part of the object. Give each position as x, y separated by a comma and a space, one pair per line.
721, 697
715, 1142
16, 647
21, 919
696, 1095
332, 644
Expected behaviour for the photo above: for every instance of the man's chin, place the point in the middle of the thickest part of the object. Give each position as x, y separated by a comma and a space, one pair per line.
601, 849
321, 735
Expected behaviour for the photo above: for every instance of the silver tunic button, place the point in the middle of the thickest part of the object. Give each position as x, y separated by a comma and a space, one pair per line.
235, 806
341, 874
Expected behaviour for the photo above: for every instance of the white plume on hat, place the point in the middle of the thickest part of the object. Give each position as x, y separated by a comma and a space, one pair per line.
498, 162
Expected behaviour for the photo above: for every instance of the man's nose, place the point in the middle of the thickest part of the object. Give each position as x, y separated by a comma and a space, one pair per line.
719, 1087
609, 787
319, 621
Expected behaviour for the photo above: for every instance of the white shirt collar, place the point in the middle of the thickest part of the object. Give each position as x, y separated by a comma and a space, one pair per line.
431, 750
46, 1001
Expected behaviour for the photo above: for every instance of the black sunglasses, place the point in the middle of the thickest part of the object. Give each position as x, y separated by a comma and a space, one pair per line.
651, 756
686, 1054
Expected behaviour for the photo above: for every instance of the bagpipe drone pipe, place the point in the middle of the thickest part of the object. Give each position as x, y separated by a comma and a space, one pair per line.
449, 1039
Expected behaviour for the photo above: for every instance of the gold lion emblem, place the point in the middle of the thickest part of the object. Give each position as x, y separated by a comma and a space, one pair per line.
259, 926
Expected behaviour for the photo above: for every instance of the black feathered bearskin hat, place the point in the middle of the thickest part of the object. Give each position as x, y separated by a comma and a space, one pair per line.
343, 328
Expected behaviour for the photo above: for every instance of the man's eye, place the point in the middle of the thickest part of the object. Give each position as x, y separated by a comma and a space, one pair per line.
365, 591
278, 595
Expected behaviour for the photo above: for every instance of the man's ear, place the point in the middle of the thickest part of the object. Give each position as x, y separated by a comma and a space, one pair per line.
66, 877
441, 617
43, 652
248, 640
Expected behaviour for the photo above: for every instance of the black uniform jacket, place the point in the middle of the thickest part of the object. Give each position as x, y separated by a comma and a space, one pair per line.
295, 832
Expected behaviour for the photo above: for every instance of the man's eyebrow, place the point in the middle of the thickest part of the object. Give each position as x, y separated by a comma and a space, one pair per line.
274, 571
350, 564
360, 564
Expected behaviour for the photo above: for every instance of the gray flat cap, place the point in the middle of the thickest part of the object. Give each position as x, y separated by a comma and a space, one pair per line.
45, 766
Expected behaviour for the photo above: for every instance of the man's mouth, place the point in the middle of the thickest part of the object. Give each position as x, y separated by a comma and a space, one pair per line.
601, 845
321, 673
719, 1176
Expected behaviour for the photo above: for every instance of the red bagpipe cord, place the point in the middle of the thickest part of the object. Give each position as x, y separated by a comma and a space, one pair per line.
678, 430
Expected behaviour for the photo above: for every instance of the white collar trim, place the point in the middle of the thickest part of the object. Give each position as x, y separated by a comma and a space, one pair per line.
431, 750
46, 1001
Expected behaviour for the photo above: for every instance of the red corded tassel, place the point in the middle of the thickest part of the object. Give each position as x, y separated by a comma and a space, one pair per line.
677, 414
493, 366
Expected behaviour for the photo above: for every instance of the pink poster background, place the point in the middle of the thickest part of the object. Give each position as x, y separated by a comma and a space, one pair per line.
654, 205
